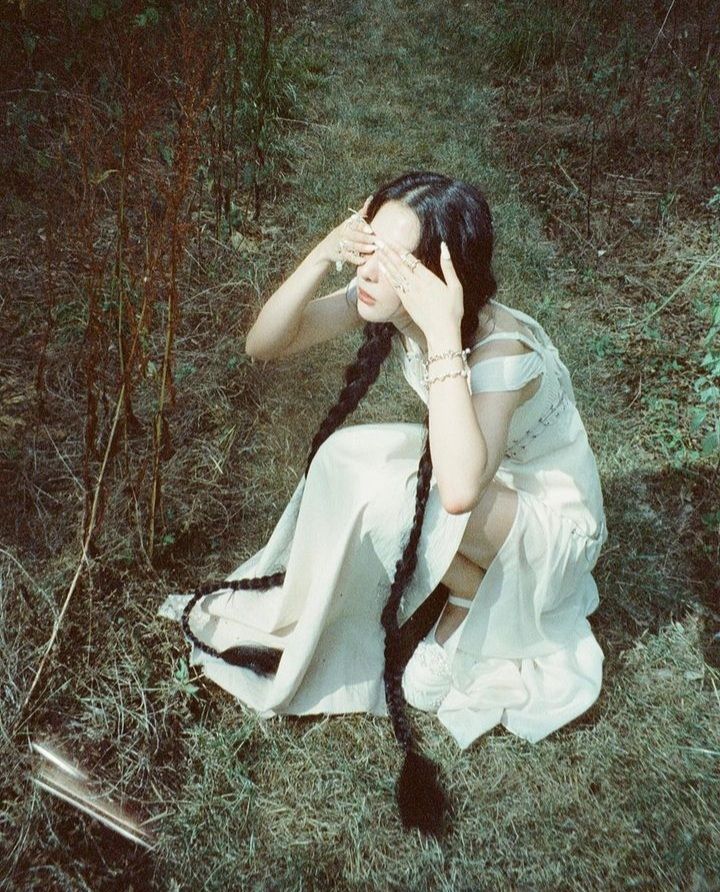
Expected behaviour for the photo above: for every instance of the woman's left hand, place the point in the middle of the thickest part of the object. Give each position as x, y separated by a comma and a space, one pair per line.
435, 306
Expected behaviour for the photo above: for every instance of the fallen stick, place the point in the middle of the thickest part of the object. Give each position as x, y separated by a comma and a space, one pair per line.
82, 561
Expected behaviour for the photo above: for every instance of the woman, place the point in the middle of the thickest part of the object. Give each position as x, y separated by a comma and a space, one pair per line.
500, 504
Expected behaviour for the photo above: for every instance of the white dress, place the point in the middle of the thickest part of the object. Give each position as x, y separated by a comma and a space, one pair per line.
526, 657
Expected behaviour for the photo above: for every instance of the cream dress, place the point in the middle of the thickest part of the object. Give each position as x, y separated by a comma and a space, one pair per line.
526, 656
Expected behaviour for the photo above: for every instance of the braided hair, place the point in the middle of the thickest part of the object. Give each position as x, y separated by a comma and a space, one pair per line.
457, 213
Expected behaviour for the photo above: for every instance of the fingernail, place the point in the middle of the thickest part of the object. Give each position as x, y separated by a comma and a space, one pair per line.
367, 228
444, 252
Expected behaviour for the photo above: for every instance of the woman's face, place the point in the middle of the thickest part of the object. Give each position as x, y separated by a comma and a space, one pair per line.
396, 224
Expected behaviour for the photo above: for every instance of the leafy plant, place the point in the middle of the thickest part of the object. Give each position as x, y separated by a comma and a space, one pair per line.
181, 678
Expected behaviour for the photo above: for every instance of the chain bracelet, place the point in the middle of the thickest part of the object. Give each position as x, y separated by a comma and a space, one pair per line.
465, 373
448, 354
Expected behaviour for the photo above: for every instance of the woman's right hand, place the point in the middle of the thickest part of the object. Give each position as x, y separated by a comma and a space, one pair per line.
351, 241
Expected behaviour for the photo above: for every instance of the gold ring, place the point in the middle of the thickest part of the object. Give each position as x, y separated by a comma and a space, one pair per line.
409, 260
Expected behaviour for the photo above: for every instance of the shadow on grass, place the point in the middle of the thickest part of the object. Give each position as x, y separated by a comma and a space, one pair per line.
660, 562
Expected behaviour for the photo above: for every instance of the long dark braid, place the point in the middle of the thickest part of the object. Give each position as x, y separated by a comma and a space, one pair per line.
421, 799
359, 377
263, 660
458, 214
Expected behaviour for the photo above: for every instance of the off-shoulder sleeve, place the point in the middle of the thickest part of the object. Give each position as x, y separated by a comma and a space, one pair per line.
505, 372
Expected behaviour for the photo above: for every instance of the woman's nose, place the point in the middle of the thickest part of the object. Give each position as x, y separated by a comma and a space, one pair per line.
370, 268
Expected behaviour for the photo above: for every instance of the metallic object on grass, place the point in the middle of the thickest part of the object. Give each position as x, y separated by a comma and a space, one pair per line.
57, 774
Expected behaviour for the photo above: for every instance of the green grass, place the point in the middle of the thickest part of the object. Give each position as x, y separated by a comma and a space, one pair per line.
625, 797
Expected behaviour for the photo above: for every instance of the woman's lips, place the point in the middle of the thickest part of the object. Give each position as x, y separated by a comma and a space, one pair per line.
365, 297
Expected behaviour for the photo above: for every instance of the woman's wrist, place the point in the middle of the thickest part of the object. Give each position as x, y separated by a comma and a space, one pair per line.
444, 341
446, 358
320, 256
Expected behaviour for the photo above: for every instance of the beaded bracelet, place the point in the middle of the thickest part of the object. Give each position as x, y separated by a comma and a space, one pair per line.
464, 372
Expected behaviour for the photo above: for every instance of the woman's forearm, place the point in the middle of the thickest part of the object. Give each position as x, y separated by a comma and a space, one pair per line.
457, 445
279, 319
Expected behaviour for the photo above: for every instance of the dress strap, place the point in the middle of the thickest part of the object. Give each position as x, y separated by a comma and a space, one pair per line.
459, 602
508, 336
505, 372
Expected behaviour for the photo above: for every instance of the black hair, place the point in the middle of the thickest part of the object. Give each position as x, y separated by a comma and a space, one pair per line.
457, 213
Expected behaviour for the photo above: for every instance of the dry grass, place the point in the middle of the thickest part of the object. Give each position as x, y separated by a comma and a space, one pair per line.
625, 797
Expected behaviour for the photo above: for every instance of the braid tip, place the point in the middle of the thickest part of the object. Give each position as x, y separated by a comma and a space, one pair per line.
422, 801
262, 660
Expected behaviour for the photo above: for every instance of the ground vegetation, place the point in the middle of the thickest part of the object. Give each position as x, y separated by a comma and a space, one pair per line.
163, 166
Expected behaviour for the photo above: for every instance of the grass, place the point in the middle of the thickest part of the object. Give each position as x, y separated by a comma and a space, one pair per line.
624, 797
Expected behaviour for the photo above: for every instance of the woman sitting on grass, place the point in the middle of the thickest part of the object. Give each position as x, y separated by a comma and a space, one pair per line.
495, 500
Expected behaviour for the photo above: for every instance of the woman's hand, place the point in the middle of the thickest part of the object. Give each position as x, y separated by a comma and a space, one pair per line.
349, 242
435, 306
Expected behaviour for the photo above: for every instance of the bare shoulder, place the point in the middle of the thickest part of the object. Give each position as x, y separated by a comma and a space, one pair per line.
499, 320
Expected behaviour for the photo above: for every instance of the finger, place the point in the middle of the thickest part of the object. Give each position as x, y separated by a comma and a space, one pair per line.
400, 285
408, 263
390, 278
361, 238
446, 265
358, 229
358, 257
363, 247
355, 223
366, 206
360, 243
356, 253
391, 259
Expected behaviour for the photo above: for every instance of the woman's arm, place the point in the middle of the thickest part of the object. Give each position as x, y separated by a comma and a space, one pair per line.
279, 319
290, 321
468, 434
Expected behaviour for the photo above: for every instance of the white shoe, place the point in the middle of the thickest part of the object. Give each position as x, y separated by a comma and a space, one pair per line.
427, 678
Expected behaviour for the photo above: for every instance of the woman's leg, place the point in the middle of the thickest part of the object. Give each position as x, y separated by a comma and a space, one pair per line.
487, 529
462, 578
